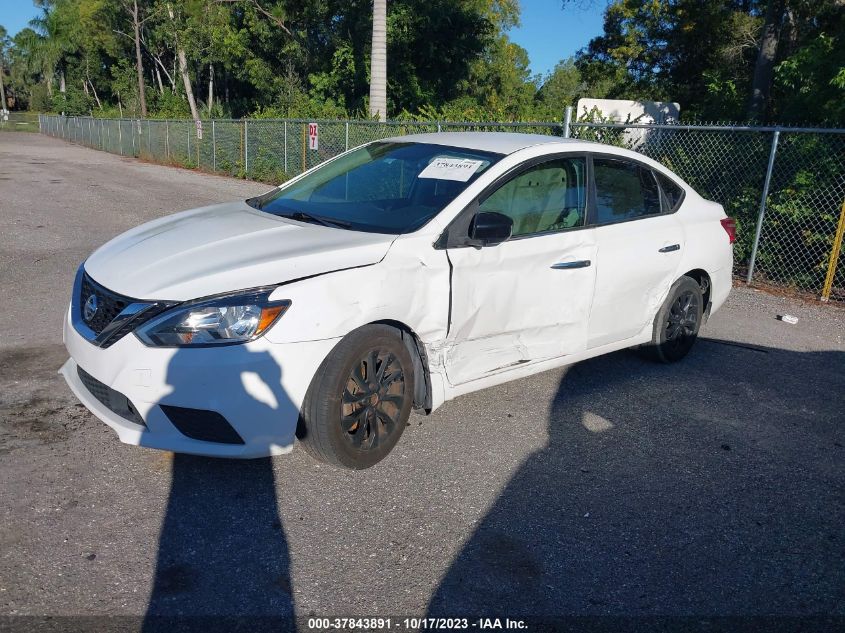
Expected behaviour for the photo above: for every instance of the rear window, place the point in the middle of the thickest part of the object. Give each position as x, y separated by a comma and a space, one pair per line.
624, 191
671, 190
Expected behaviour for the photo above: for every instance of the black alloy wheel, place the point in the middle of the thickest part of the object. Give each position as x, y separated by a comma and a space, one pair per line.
373, 400
677, 322
359, 401
682, 322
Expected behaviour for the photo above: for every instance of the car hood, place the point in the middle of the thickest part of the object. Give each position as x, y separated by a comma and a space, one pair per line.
223, 248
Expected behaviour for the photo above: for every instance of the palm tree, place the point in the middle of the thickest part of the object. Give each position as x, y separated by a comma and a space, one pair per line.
132, 10
378, 62
50, 46
25, 67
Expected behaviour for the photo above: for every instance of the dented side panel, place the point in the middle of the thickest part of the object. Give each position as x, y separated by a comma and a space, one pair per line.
634, 275
410, 285
511, 307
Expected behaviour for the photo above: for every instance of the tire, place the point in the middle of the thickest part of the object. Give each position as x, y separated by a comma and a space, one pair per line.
358, 403
677, 322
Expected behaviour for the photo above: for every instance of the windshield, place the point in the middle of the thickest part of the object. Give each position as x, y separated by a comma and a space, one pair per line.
381, 188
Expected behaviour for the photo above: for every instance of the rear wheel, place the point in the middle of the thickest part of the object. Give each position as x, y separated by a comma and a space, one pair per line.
360, 399
677, 322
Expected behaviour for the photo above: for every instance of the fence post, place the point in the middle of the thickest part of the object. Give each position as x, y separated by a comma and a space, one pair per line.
304, 144
246, 149
120, 135
834, 255
188, 157
167, 139
286, 148
567, 119
347, 136
765, 195
213, 146
438, 126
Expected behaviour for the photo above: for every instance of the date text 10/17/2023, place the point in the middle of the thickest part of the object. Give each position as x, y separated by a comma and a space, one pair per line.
387, 624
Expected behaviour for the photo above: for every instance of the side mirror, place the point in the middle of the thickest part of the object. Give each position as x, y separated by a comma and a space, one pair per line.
489, 228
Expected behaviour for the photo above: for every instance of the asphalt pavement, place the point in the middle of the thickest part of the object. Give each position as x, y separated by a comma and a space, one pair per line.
614, 487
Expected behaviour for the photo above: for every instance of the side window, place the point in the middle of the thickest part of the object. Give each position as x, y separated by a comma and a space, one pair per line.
548, 197
624, 191
672, 191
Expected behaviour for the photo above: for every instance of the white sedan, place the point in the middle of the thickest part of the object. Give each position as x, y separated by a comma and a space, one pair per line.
393, 277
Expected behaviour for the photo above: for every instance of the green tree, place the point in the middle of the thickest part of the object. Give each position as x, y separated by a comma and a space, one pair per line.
562, 87
723, 59
5, 42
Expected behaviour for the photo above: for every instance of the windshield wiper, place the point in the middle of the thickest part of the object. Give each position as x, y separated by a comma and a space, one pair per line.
301, 216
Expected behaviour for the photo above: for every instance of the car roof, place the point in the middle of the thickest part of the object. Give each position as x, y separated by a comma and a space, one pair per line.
498, 142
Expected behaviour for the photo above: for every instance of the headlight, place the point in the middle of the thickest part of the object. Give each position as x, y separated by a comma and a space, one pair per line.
225, 320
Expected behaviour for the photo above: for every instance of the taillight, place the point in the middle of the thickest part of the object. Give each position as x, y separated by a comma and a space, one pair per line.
729, 224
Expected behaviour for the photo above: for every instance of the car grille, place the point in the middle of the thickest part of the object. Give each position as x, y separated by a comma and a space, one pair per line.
109, 304
115, 315
113, 400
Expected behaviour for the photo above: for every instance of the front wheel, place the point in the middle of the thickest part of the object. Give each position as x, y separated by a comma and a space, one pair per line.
359, 400
677, 322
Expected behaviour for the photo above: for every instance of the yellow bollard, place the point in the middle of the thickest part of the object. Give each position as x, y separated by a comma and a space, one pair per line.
834, 255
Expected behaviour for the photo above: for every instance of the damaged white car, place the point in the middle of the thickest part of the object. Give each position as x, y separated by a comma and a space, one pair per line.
391, 278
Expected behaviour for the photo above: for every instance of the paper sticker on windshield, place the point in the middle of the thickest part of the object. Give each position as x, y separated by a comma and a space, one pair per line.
445, 168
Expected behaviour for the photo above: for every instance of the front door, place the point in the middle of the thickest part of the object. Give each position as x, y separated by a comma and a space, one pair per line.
527, 299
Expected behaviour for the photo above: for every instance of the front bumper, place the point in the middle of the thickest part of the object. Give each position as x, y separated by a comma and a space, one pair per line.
258, 388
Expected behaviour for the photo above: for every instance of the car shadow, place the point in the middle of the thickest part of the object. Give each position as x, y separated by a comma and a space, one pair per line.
709, 487
223, 561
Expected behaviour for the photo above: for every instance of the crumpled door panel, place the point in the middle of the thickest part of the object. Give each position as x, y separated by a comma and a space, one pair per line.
510, 307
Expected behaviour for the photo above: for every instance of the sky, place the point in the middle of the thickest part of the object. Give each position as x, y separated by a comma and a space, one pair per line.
16, 14
549, 31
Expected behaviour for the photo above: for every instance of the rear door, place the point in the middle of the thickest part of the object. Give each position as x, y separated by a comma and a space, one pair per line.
527, 299
640, 242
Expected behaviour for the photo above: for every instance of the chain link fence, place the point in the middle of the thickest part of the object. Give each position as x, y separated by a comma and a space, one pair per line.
19, 121
784, 186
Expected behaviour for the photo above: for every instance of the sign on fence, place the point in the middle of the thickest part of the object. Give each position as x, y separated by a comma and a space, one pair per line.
313, 139
199, 129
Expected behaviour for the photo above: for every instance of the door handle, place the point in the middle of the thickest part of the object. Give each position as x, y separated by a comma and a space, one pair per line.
669, 249
581, 263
